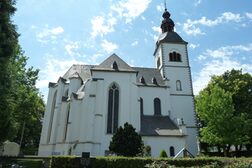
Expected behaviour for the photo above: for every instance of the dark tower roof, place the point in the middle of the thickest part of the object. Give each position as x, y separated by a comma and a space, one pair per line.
167, 23
168, 34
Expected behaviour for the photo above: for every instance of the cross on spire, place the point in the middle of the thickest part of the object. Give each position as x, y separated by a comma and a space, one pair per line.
167, 24
165, 5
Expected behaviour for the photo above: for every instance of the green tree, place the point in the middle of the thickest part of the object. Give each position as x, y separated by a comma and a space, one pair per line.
8, 48
126, 141
29, 105
221, 125
240, 86
21, 106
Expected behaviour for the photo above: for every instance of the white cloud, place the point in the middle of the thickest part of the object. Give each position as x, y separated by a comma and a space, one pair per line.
130, 9
126, 9
197, 2
70, 48
159, 8
143, 18
93, 59
217, 67
156, 29
102, 26
47, 34
134, 43
221, 52
191, 27
108, 46
202, 57
193, 46
56, 30
249, 15
228, 51
54, 69
221, 60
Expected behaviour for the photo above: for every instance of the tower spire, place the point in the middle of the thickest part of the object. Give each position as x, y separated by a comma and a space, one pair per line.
167, 24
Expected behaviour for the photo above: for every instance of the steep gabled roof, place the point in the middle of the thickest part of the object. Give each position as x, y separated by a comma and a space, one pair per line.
107, 65
83, 71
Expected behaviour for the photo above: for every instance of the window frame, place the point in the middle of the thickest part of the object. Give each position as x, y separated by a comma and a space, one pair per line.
157, 106
175, 57
178, 85
113, 108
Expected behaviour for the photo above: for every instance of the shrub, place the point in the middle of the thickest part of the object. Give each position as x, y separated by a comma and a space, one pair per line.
126, 141
160, 164
120, 162
9, 162
147, 151
163, 154
65, 162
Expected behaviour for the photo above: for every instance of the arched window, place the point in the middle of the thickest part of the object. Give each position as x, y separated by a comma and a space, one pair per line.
141, 105
176, 57
51, 117
67, 122
178, 85
158, 62
157, 106
113, 108
172, 151
66, 93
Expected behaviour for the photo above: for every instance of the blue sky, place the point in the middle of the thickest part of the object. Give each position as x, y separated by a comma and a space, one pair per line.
56, 34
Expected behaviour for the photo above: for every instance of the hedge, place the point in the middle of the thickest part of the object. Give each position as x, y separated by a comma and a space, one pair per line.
65, 162
131, 162
128, 162
27, 163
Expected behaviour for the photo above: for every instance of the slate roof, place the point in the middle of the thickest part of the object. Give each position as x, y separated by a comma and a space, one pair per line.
148, 74
170, 37
83, 71
106, 65
158, 126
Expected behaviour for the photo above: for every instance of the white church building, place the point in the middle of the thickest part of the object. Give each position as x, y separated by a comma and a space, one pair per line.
89, 102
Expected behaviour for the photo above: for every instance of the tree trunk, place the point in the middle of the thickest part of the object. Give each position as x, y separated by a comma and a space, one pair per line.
219, 150
226, 149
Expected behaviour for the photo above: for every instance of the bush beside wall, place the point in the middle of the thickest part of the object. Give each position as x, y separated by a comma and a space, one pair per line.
28, 163
65, 162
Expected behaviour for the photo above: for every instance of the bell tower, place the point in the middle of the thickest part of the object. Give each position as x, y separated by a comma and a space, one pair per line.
171, 59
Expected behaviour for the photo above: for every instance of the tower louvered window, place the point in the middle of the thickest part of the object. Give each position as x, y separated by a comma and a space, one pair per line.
174, 56
113, 108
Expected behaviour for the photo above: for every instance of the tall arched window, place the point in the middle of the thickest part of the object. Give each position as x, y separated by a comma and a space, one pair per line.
178, 85
66, 93
113, 108
158, 62
51, 117
157, 106
67, 122
141, 105
172, 151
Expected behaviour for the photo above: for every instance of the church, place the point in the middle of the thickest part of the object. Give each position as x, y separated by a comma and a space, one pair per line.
89, 102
